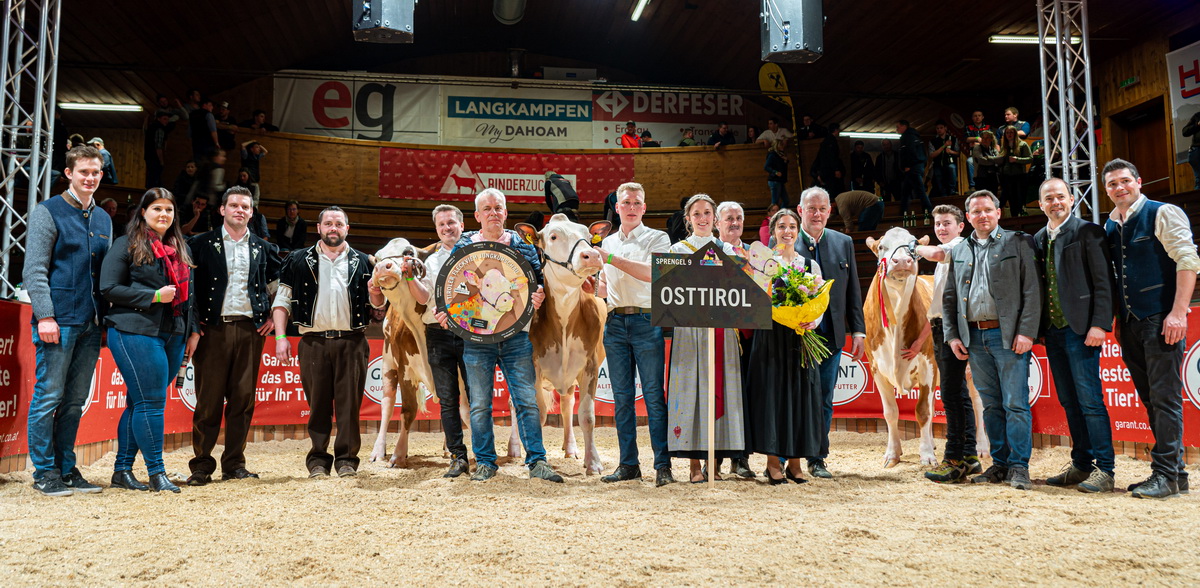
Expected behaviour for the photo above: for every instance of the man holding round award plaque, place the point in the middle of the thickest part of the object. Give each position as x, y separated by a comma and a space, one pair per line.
486, 294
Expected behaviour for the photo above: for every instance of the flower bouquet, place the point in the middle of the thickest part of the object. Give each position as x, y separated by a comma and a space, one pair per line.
799, 297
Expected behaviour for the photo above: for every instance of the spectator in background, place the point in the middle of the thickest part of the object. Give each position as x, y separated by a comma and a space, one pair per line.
154, 146
974, 131
226, 126
860, 210
1011, 120
186, 182
1014, 157
827, 169
887, 171
258, 122
291, 231
912, 163
163, 104
774, 133
764, 232
1192, 129
943, 150
109, 169
630, 139
110, 206
689, 139
245, 180
202, 128
751, 135
194, 102
987, 162
723, 136
258, 222
862, 170
809, 129
648, 140
777, 173
197, 218
677, 224
76, 140
252, 153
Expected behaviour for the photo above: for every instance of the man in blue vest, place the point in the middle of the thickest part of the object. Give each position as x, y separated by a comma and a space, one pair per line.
68, 237
1155, 263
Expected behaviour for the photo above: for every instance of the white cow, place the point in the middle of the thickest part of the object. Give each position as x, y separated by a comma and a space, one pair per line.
567, 332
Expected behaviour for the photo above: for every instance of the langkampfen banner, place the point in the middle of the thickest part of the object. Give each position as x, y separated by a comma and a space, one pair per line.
1183, 80
424, 174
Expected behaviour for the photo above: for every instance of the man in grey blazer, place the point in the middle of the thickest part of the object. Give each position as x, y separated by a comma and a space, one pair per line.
834, 252
991, 309
1077, 311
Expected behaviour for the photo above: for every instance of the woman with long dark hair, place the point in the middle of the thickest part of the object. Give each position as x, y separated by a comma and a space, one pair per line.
147, 277
1014, 160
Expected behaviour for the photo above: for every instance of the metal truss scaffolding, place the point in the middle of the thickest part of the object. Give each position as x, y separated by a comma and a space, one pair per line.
1070, 143
28, 79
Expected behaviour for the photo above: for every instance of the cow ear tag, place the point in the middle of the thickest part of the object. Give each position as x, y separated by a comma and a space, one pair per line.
599, 230
527, 232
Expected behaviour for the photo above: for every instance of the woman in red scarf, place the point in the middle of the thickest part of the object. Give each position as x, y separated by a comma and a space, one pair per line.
147, 277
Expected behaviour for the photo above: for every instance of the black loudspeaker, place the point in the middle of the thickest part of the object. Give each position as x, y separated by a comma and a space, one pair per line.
383, 21
792, 30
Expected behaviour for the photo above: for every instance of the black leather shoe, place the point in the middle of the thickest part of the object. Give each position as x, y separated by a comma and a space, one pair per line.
787, 474
774, 481
160, 482
623, 473
238, 474
125, 479
741, 468
199, 479
458, 467
817, 468
1156, 486
346, 471
664, 477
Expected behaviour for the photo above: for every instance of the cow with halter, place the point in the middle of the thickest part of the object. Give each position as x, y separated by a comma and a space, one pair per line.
405, 366
895, 314
568, 330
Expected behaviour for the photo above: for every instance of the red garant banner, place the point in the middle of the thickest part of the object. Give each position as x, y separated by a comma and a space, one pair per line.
281, 399
424, 174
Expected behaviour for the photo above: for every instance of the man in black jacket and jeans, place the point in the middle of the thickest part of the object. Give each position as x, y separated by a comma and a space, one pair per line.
233, 268
326, 290
912, 163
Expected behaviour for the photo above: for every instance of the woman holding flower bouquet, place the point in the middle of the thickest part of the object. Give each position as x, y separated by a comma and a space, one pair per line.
687, 394
783, 396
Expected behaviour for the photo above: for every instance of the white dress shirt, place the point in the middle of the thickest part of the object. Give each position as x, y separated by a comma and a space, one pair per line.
638, 245
237, 267
939, 279
331, 310
1173, 230
433, 266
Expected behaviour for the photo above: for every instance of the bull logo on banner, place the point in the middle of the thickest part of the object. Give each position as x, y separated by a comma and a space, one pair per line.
373, 389
852, 380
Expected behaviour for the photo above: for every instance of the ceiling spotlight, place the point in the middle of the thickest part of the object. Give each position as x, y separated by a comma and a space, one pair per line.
1028, 39
637, 10
101, 107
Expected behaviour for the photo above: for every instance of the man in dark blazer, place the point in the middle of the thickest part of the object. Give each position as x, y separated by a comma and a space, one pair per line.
991, 312
912, 164
834, 253
1073, 260
233, 310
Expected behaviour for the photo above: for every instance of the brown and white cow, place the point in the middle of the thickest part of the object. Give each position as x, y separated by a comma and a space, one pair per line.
567, 332
405, 366
895, 312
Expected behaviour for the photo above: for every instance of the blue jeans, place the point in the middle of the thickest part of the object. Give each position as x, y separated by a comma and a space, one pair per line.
869, 218
945, 180
630, 340
779, 193
515, 357
1002, 378
1076, 371
971, 172
828, 371
64, 380
913, 184
147, 365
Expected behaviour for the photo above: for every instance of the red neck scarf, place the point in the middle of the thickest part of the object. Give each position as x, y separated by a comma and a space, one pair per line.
178, 273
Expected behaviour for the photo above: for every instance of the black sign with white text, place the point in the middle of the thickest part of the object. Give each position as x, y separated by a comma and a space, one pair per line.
706, 289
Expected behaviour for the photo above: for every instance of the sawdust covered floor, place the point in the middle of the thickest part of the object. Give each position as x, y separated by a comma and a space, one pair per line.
412, 527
